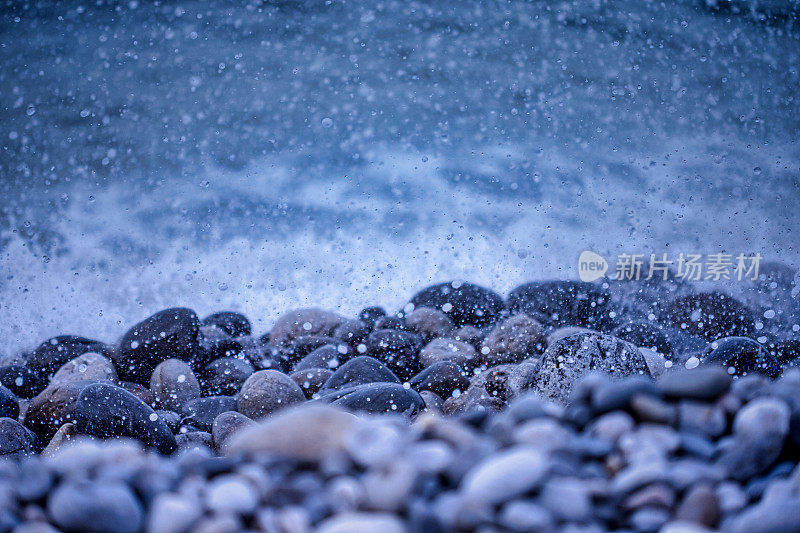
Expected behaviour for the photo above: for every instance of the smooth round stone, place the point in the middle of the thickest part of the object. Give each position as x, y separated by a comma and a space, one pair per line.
140, 391
232, 323
289, 355
464, 303
171, 418
171, 333
173, 513
513, 340
213, 344
311, 380
108, 411
63, 435
53, 353
15, 439
193, 441
740, 356
397, 349
362, 522
573, 357
87, 367
330, 356
567, 498
301, 322
53, 407
201, 412
231, 494
225, 425
391, 322
267, 391
618, 394
441, 378
9, 406
359, 371
309, 432
764, 417
225, 376
430, 323
523, 516
561, 303
369, 315
699, 506
95, 507
644, 334
702, 383
351, 331
504, 475
445, 349
433, 402
173, 384
710, 315
22, 381
378, 398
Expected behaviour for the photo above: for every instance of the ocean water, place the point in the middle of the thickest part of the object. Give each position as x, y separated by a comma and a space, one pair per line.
263, 156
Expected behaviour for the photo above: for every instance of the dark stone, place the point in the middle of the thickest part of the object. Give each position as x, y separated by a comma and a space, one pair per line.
297, 348
329, 356
358, 371
710, 315
225, 376
743, 356
214, 343
390, 322
702, 383
378, 398
615, 395
398, 350
96, 506
53, 353
106, 411
170, 418
785, 352
232, 323
225, 425
9, 406
201, 412
570, 358
172, 333
562, 303
53, 408
311, 380
15, 439
369, 315
192, 440
464, 303
442, 378
140, 391
22, 381
351, 331
173, 384
268, 391
644, 334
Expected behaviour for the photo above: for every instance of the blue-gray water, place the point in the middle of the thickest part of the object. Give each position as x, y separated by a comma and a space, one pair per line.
270, 155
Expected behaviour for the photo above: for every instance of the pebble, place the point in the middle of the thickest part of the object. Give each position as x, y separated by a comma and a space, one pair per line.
173, 513
226, 425
232, 323
429, 323
465, 303
53, 353
513, 340
699, 506
108, 411
168, 333
95, 506
442, 378
329, 356
397, 349
445, 349
378, 398
87, 367
505, 475
311, 380
267, 391
710, 315
53, 407
225, 376
307, 432
301, 322
9, 406
740, 356
15, 439
524, 515
201, 412
22, 381
231, 494
702, 383
173, 384
362, 523
360, 371
564, 362
561, 303
644, 334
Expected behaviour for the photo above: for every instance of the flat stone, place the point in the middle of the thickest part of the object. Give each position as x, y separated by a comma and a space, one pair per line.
95, 506
701, 383
89, 366
504, 475
359, 371
362, 522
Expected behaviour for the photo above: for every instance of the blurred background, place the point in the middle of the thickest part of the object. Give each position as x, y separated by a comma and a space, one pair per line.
261, 156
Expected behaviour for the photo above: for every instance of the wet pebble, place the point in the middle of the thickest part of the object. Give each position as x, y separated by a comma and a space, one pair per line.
268, 391
173, 384
95, 506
